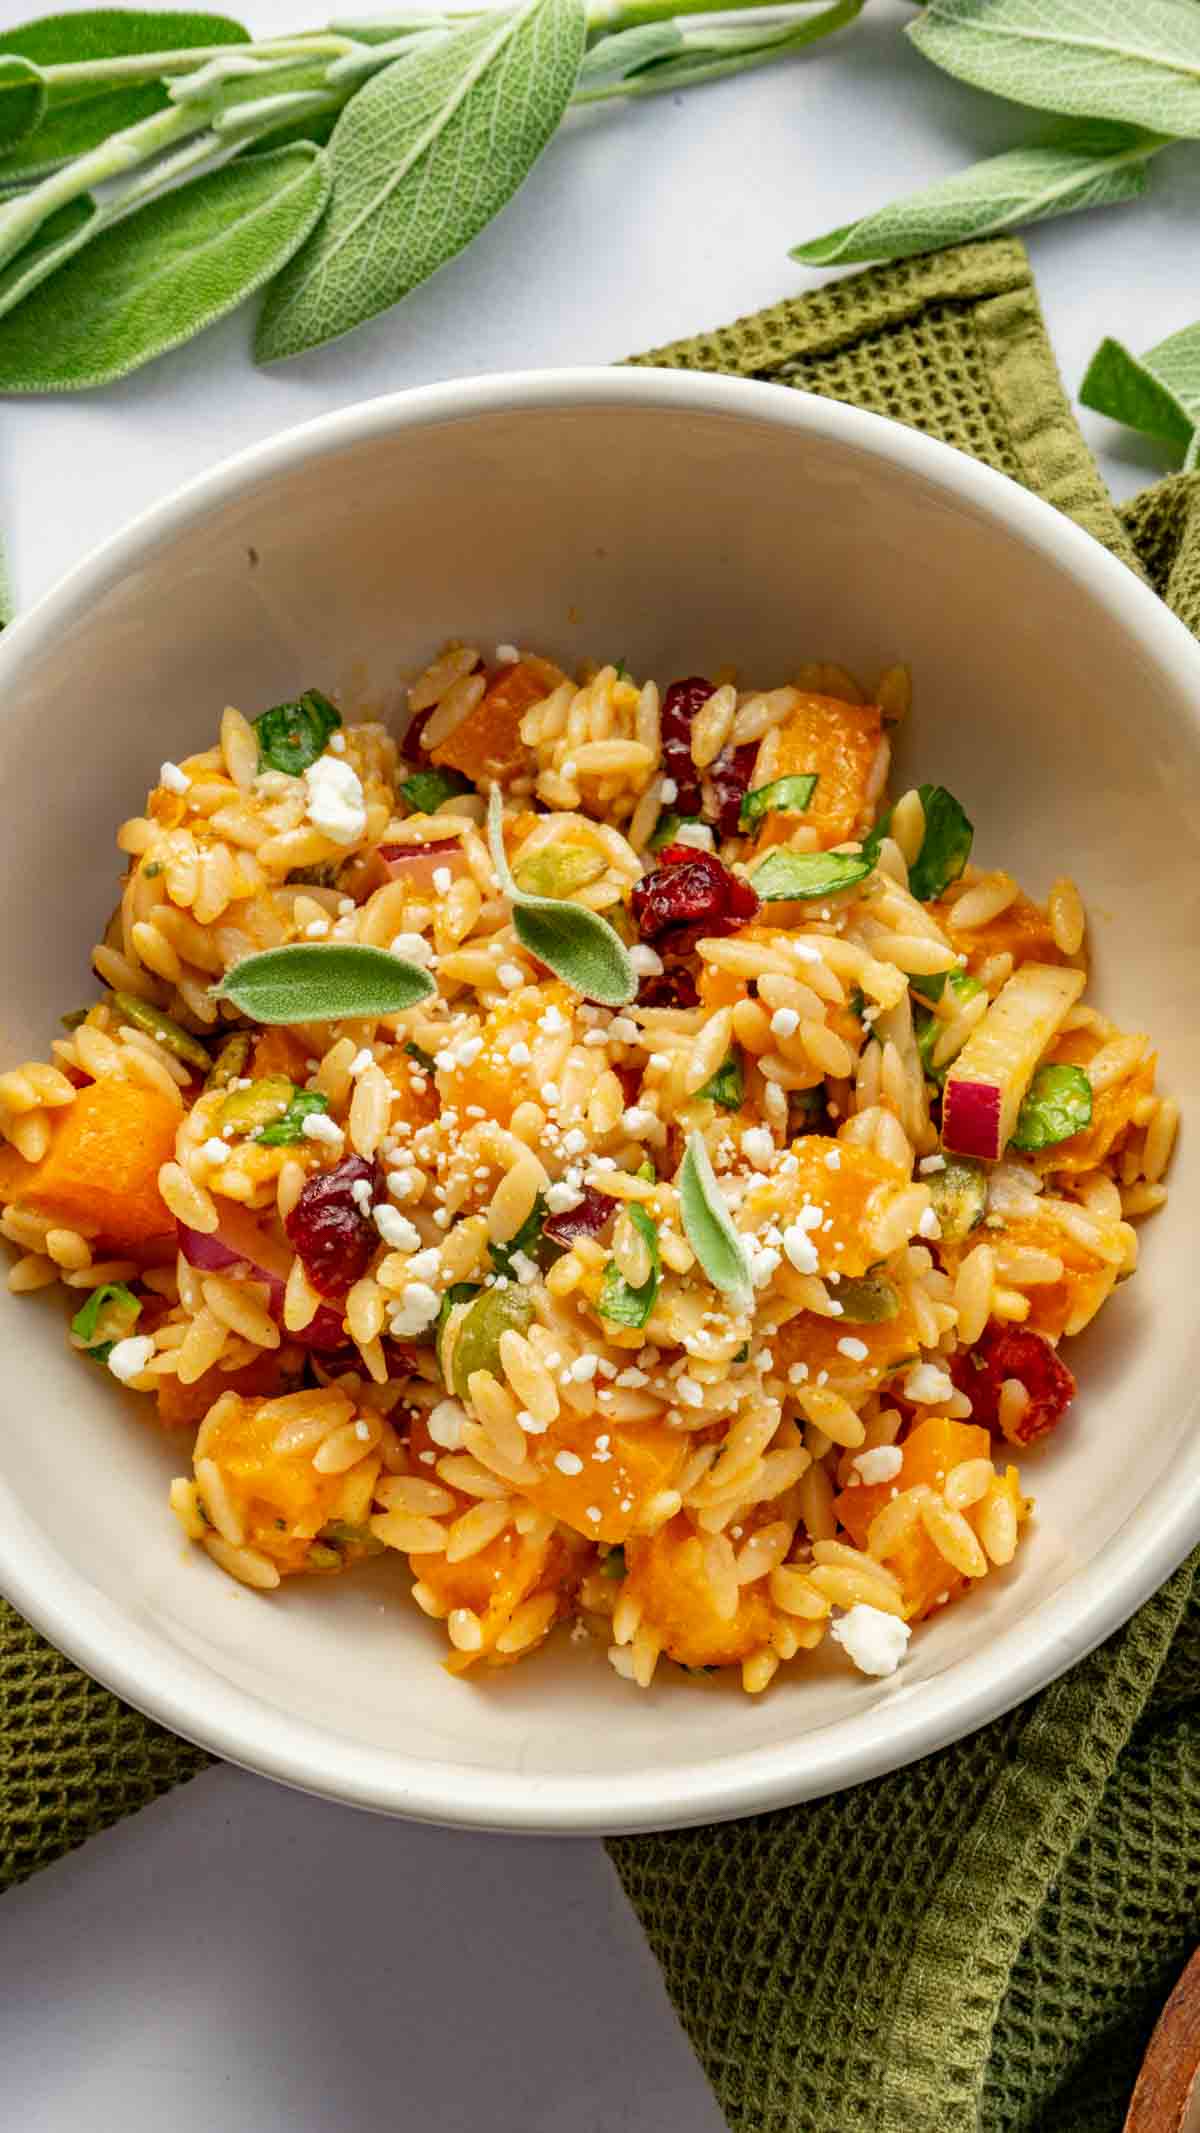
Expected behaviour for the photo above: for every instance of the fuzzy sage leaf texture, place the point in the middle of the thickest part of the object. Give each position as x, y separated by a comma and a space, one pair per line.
79, 113
708, 1227
328, 983
1157, 393
22, 98
422, 158
162, 274
1086, 165
1134, 60
578, 945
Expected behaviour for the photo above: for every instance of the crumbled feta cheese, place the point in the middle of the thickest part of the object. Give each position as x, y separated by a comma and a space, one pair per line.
594, 1513
583, 1369
691, 1394
882, 1463
214, 1151
362, 1431
395, 1228
925, 1385
445, 1424
800, 1249
335, 800
418, 1307
929, 1226
668, 792
568, 1462
360, 1193
647, 962
850, 1346
510, 975
520, 1054
929, 1163
553, 1021
697, 834
764, 1261
524, 1267
873, 1641
784, 1022
424, 1266
549, 1089
758, 1147
443, 880
318, 1126
175, 780
468, 1049
507, 655
402, 1184
622, 1030
316, 929
562, 1197
630, 1380
530, 1424
361, 1061
128, 1358
413, 947
637, 1119
833, 1160
574, 1142
798, 1374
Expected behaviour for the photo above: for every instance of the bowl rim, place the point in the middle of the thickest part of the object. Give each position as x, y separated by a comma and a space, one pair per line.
184, 1693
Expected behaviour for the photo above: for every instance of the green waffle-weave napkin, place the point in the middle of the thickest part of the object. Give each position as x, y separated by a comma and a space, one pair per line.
980, 1943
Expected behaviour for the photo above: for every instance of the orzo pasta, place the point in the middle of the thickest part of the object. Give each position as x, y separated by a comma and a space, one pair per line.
433, 1283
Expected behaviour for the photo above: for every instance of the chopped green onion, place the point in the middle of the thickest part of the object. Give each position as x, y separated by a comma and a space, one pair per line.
727, 1086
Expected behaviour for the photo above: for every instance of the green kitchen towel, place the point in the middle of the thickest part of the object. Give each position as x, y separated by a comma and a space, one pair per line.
980, 1943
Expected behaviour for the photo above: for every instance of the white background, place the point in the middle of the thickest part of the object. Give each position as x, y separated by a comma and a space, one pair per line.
237, 1956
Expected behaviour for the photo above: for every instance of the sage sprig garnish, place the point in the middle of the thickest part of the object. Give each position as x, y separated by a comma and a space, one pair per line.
1157, 393
318, 982
708, 1227
578, 945
116, 117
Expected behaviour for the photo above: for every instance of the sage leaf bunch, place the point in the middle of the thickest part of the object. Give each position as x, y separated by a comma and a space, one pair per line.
1157, 393
159, 167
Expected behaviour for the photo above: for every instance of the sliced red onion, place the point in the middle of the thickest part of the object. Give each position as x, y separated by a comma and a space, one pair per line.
587, 1219
240, 1242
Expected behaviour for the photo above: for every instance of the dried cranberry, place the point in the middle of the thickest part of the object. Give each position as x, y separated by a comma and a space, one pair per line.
673, 986
587, 1219
680, 705
331, 1233
1014, 1352
730, 781
691, 888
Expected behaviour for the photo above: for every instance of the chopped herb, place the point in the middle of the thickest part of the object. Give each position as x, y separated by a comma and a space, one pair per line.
152, 872
622, 671
619, 1303
667, 828
945, 846
743, 1354
74, 1019
788, 877
109, 1315
424, 1059
783, 796
614, 1565
727, 1086
291, 736
1058, 1104
281, 1525
647, 1171
807, 1110
283, 1131
427, 790
528, 1239
340, 1534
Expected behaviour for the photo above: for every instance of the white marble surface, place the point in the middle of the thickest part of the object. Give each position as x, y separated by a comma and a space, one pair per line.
239, 1956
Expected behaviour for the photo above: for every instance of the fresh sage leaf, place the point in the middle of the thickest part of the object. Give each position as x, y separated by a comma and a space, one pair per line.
726, 1087
945, 846
578, 945
292, 736
785, 877
618, 1302
423, 157
1083, 166
708, 1228
319, 982
81, 114
22, 98
1085, 58
784, 796
427, 790
61, 235
1058, 1103
282, 1132
164, 273
1157, 393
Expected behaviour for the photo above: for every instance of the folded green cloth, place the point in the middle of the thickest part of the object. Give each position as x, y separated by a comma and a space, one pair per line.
980, 1943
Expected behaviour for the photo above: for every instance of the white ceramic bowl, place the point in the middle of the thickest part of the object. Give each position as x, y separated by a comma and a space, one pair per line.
678, 521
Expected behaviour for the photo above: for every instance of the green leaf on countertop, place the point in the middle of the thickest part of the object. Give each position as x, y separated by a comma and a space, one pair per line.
1157, 393
318, 982
164, 273
79, 115
423, 157
1138, 63
1083, 166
